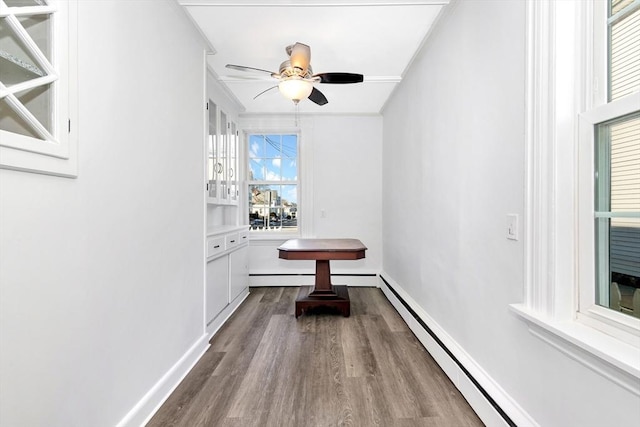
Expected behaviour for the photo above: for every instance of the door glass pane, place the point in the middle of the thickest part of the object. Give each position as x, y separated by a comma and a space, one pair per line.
10, 121
212, 152
222, 157
618, 214
39, 28
17, 3
17, 64
38, 102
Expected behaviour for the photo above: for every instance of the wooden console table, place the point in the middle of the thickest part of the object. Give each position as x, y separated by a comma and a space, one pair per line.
322, 251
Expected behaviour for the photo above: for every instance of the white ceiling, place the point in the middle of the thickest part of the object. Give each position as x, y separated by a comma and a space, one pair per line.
376, 38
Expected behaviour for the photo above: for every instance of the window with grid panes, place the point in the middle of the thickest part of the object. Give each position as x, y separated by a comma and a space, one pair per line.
273, 185
617, 166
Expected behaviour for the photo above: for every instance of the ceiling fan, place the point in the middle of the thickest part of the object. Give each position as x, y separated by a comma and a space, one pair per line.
296, 78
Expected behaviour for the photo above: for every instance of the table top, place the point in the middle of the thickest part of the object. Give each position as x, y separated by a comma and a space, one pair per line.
322, 249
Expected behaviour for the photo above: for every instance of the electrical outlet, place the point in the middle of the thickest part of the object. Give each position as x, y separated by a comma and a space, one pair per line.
512, 226
323, 213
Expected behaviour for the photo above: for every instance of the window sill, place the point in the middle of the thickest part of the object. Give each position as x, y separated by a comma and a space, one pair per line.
602, 353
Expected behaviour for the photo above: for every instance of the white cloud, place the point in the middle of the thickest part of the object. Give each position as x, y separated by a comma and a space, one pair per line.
272, 176
254, 150
276, 162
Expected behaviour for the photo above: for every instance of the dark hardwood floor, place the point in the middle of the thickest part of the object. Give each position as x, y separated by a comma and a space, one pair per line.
265, 368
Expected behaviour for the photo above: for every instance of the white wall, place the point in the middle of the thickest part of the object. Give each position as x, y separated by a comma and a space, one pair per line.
101, 277
453, 154
340, 170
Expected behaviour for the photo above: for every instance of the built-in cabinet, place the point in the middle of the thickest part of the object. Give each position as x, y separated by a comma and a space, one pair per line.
222, 158
227, 254
227, 273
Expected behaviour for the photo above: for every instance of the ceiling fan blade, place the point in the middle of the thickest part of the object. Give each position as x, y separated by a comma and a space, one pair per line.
300, 56
340, 78
317, 97
250, 69
265, 91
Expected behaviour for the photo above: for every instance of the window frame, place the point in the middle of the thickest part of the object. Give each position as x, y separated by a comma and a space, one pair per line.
617, 324
56, 155
564, 85
278, 234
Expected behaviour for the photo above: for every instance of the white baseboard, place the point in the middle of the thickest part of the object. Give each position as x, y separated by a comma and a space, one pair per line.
142, 412
225, 314
450, 363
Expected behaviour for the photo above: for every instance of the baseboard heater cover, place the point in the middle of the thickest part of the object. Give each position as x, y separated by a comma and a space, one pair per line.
428, 330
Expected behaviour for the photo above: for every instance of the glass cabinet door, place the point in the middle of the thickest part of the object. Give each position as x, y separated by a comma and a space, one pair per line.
212, 153
233, 164
223, 154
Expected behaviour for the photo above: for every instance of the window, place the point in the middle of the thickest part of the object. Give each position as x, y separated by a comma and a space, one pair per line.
273, 182
583, 105
613, 128
35, 94
617, 214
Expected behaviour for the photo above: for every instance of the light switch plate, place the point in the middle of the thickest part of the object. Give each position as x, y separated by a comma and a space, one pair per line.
512, 226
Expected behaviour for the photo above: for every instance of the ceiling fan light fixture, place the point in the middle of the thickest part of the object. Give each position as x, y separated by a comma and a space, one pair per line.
295, 88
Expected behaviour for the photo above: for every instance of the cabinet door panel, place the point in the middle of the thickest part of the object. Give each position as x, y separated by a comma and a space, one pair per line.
239, 262
217, 286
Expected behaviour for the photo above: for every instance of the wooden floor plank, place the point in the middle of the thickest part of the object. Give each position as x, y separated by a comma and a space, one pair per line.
266, 368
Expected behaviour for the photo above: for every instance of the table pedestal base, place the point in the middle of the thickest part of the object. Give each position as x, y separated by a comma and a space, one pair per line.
339, 300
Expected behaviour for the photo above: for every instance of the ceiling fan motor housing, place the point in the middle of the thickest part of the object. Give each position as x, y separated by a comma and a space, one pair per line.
286, 70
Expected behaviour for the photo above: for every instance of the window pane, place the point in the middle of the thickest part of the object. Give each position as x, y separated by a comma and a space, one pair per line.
256, 170
273, 206
618, 5
273, 146
272, 169
624, 56
618, 213
290, 146
256, 146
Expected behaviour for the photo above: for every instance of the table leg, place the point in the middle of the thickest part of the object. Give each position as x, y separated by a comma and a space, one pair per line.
323, 285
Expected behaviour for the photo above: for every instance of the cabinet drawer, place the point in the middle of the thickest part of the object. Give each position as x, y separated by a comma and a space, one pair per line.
231, 240
243, 236
215, 245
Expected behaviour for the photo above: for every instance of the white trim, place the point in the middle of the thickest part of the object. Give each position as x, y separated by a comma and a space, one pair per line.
222, 317
472, 394
602, 353
540, 139
146, 407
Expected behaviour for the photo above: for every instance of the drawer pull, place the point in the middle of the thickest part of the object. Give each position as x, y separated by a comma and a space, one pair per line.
216, 246
233, 241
